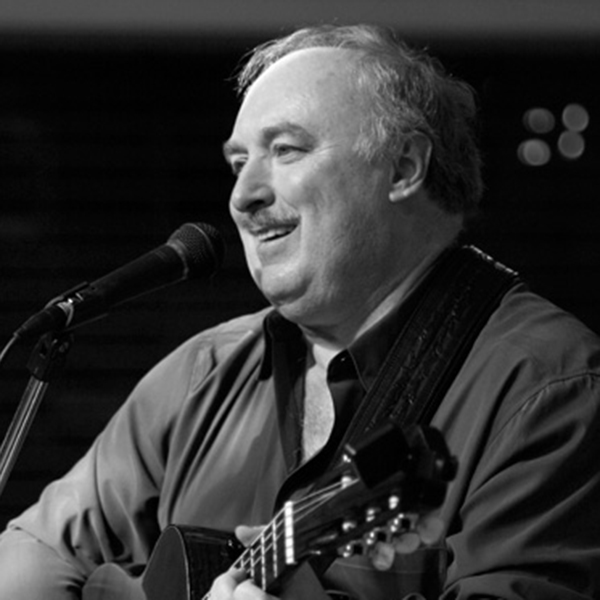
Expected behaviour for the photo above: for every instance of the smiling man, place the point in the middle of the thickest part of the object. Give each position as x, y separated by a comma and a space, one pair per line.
329, 233
356, 170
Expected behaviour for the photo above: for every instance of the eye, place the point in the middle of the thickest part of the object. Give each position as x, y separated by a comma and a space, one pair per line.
283, 150
237, 165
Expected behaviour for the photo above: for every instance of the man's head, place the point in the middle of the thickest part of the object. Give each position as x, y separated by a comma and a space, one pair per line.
330, 224
408, 92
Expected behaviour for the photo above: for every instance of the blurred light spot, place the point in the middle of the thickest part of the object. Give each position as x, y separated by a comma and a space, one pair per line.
571, 144
534, 153
539, 120
575, 117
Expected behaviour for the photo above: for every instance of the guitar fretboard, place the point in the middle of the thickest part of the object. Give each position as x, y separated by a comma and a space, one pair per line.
276, 548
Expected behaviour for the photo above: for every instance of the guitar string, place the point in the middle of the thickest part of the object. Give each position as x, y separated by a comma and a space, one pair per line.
303, 508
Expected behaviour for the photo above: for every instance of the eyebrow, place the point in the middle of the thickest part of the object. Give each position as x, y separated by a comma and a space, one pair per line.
230, 148
268, 134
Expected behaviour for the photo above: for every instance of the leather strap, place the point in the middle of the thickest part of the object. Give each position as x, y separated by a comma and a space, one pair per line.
456, 300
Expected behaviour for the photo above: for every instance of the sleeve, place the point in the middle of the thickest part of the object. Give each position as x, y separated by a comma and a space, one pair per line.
105, 508
529, 527
30, 570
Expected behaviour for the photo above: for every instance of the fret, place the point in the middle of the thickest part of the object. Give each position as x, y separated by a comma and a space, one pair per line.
269, 550
288, 520
245, 561
254, 551
263, 565
261, 559
276, 538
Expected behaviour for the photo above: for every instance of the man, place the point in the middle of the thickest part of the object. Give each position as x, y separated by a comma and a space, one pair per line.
355, 172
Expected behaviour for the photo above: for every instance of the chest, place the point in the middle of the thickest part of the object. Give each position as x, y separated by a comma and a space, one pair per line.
319, 413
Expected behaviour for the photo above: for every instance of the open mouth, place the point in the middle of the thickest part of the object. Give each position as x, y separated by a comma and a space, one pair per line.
274, 233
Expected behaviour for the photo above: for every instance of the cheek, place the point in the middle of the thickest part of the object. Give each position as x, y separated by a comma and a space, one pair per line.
335, 202
250, 255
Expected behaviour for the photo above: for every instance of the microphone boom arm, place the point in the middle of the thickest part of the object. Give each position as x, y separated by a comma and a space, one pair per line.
48, 356
194, 249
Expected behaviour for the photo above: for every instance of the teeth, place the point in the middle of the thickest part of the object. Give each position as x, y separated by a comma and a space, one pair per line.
272, 234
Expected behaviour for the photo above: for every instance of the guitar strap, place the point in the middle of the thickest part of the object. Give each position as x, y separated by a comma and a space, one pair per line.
454, 303
451, 307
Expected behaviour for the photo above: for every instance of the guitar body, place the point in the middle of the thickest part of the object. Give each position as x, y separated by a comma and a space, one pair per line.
183, 566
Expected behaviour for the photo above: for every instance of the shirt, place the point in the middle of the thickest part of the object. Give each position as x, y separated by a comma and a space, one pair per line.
209, 438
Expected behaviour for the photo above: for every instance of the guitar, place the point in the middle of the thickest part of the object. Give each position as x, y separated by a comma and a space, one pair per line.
386, 481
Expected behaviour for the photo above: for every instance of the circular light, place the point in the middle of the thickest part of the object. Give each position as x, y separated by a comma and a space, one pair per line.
534, 153
571, 144
539, 120
575, 117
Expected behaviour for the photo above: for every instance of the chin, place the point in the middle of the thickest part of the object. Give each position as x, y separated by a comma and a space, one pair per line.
291, 308
293, 296
280, 291
301, 313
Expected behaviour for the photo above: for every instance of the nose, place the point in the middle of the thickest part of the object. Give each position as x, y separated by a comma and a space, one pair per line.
253, 188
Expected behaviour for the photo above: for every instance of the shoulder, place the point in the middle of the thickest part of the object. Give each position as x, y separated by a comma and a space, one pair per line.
178, 374
211, 346
227, 334
528, 327
532, 355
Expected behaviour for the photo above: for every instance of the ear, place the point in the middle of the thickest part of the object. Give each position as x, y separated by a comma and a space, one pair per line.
411, 167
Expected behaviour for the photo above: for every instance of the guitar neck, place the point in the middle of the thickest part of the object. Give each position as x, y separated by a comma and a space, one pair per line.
272, 552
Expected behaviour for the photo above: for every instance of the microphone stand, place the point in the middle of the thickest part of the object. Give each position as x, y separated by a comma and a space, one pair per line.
47, 358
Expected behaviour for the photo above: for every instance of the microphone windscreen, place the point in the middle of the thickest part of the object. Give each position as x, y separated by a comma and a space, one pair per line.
201, 246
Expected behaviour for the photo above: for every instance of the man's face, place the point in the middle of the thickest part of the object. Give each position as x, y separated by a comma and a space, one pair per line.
313, 215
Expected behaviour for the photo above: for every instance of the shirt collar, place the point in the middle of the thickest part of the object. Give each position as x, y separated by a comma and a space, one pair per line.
278, 330
368, 352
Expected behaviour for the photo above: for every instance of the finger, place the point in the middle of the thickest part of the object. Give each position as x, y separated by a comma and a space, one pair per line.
247, 590
247, 534
224, 585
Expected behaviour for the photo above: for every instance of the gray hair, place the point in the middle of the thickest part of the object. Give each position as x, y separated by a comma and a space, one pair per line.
409, 93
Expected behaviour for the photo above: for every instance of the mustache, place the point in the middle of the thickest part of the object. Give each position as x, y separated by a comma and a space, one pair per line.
263, 221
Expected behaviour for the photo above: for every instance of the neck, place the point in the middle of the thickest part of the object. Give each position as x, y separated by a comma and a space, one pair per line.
327, 341
424, 231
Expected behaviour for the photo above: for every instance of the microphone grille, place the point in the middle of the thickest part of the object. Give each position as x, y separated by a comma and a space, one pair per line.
202, 247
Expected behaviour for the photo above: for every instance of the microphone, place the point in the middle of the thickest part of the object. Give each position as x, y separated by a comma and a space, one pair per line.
193, 250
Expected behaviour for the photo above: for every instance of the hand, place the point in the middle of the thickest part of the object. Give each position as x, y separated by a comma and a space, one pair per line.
234, 583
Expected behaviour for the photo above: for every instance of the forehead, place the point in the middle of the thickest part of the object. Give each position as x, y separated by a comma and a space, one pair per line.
323, 68
308, 86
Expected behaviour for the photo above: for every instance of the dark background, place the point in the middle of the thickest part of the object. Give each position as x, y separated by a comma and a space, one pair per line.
108, 144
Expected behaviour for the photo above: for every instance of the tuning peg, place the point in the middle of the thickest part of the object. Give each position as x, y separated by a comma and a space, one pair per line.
382, 556
347, 480
349, 525
371, 513
376, 535
352, 549
393, 502
407, 543
402, 522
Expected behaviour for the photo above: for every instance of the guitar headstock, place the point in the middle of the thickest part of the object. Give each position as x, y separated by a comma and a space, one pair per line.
384, 484
388, 480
